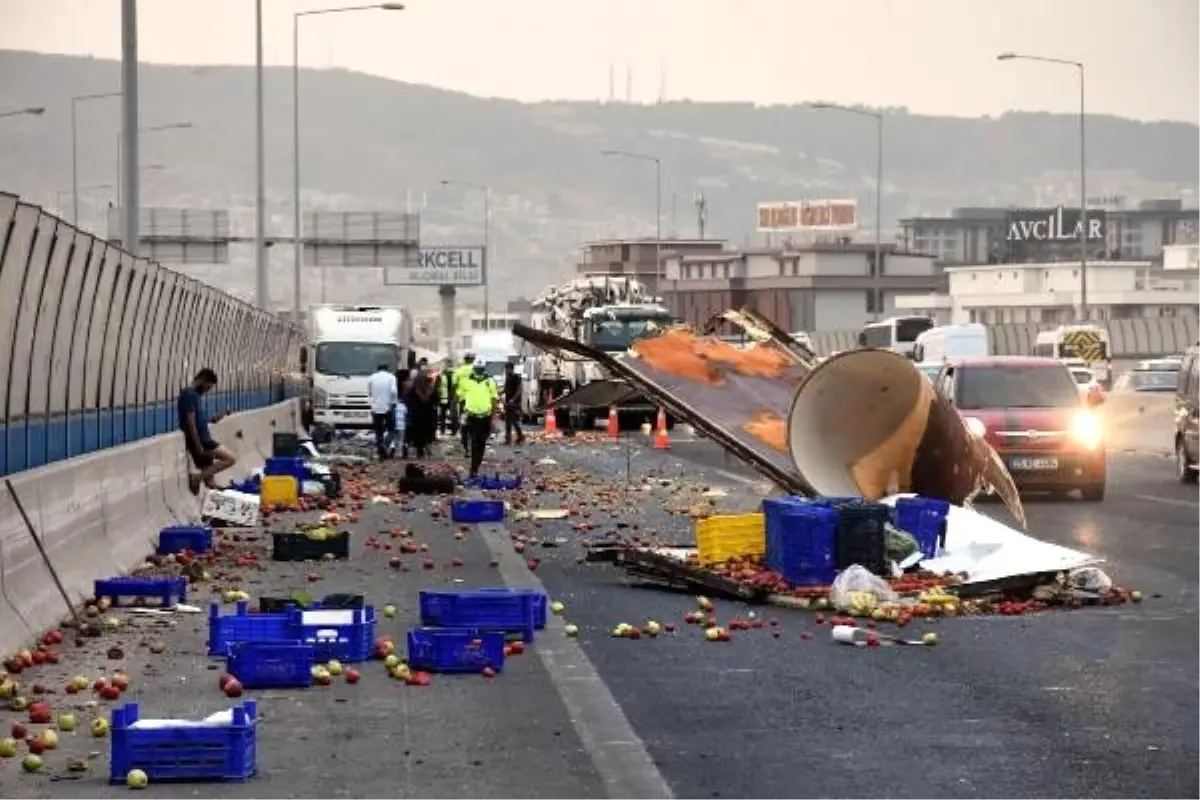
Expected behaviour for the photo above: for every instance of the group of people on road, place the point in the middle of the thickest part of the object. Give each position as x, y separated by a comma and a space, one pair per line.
413, 407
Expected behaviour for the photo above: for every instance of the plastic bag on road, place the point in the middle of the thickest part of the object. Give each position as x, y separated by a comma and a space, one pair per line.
1092, 580
858, 590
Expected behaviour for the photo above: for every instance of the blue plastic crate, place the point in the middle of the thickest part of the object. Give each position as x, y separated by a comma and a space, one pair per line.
291, 467
242, 626
477, 510
177, 538
540, 603
271, 665
455, 649
801, 540
345, 634
167, 590
861, 536
487, 609
925, 519
495, 482
188, 752
251, 485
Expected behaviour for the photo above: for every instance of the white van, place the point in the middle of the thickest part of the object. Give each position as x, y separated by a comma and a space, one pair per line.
952, 341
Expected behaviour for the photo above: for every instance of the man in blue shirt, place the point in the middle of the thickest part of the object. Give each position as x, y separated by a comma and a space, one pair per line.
208, 456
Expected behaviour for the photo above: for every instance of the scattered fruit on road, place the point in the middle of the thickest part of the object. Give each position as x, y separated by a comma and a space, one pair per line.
137, 779
571, 629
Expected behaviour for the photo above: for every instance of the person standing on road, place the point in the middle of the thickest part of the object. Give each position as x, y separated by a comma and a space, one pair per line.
207, 454
422, 412
383, 395
447, 400
512, 405
461, 374
481, 401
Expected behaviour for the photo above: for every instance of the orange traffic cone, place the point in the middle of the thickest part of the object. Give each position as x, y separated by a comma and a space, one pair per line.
614, 423
661, 442
550, 427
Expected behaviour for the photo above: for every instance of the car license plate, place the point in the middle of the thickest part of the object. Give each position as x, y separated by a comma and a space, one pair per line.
1033, 464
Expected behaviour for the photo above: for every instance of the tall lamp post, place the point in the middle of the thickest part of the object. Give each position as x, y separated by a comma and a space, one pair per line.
487, 241
876, 279
1083, 214
173, 126
299, 247
658, 277
75, 101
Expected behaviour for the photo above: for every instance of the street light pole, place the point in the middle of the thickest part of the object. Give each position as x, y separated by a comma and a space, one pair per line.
877, 277
130, 236
83, 98
487, 241
1083, 202
261, 286
658, 275
298, 252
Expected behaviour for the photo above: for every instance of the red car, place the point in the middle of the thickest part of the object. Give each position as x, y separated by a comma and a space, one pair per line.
1030, 410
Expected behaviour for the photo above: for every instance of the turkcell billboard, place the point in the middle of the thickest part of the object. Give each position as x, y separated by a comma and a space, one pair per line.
1051, 234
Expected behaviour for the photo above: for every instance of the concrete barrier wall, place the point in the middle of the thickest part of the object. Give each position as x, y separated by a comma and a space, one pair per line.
95, 344
99, 514
1131, 338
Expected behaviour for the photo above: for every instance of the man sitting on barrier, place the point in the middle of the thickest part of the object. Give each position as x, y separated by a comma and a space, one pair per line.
209, 456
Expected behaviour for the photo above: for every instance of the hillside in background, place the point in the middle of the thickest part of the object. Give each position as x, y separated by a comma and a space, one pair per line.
370, 143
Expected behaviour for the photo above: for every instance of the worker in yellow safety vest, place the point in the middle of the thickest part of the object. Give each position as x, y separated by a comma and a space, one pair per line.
446, 398
481, 402
458, 380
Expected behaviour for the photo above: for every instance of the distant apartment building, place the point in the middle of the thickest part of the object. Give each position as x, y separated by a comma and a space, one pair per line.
1006, 235
1051, 292
638, 258
809, 287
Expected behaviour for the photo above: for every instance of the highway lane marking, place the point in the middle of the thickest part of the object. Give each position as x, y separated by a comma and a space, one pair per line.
1171, 501
617, 752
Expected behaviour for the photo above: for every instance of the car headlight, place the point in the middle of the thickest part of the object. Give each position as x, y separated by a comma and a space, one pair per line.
975, 426
320, 398
1087, 430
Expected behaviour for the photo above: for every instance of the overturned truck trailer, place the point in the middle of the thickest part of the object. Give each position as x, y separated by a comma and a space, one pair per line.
864, 422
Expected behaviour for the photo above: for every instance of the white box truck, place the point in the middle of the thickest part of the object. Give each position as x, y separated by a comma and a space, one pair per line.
346, 345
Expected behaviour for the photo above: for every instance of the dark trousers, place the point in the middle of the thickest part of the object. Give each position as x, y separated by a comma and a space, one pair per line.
512, 425
385, 432
477, 429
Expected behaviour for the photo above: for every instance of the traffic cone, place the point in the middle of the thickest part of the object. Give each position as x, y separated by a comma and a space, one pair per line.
550, 426
661, 442
614, 423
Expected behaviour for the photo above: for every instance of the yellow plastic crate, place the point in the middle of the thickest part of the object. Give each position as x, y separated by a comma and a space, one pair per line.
279, 490
721, 538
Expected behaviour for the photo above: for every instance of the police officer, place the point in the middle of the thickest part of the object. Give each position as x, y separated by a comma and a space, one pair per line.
481, 401
459, 379
447, 399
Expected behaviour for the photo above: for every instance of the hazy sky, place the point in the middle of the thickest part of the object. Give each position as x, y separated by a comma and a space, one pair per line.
934, 56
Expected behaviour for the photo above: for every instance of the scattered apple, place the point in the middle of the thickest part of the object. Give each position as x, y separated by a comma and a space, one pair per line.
389, 611
321, 675
352, 675
18, 703
232, 687
516, 648
36, 745
121, 681
49, 739
488, 672
8, 747
334, 667
111, 623
557, 607
109, 692
571, 629
137, 779
66, 723
99, 727
18, 731
704, 603
99, 684
1135, 596
32, 762
930, 638
392, 661
653, 629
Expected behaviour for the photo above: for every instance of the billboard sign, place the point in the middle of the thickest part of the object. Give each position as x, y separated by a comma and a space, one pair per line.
1054, 225
178, 235
445, 265
360, 239
807, 215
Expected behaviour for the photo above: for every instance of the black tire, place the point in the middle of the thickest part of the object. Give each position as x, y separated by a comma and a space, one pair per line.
1185, 471
1094, 492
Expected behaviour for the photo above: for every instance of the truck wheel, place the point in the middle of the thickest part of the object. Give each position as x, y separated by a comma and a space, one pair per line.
1093, 492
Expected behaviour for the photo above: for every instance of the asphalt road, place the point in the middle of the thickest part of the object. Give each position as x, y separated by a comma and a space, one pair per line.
1095, 702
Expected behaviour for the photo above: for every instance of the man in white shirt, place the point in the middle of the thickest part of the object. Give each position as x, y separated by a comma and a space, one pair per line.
383, 394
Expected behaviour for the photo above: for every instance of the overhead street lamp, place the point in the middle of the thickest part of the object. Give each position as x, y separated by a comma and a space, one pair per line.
877, 277
299, 252
32, 111
1083, 214
172, 126
658, 277
487, 236
83, 98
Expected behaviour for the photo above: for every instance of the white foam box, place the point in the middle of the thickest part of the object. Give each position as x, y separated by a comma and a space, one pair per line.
235, 508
